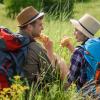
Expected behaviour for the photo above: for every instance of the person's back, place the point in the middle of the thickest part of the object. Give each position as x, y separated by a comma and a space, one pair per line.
37, 64
92, 56
78, 68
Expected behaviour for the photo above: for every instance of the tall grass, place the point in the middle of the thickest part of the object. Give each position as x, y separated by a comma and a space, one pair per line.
56, 29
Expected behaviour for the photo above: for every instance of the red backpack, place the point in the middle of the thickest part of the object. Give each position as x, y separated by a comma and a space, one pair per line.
13, 49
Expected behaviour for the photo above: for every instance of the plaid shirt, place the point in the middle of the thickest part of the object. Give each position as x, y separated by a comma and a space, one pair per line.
77, 71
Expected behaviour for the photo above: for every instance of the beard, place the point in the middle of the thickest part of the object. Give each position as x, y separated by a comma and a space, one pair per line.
34, 35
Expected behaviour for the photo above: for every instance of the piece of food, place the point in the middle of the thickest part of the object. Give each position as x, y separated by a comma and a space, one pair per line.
66, 42
42, 38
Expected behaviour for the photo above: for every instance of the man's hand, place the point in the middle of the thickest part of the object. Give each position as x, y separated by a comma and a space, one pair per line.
48, 44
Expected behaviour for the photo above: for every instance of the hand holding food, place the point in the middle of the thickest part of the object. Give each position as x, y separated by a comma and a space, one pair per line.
48, 44
42, 38
66, 42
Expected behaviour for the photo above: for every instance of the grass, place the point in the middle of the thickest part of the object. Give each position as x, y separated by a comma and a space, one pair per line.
56, 29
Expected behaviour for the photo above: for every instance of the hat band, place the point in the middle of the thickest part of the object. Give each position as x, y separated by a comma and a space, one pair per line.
85, 28
31, 19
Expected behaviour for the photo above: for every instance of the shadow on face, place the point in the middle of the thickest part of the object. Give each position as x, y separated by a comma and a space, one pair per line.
80, 37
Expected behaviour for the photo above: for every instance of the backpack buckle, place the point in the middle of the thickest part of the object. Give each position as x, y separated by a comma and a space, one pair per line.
88, 53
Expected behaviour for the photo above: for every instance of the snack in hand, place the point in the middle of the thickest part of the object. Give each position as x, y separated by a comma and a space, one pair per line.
66, 42
42, 38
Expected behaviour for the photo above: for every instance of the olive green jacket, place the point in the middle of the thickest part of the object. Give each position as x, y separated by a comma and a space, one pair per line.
37, 66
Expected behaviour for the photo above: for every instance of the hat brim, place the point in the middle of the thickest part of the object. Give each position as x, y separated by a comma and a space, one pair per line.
41, 14
77, 25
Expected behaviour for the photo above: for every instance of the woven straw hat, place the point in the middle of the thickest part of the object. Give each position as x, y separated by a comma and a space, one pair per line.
87, 24
28, 15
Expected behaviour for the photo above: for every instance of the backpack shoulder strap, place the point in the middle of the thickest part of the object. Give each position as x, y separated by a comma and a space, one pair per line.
18, 60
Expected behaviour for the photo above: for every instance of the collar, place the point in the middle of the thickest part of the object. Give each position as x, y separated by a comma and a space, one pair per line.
84, 42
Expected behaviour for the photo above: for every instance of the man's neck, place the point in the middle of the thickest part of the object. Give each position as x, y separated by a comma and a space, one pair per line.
23, 32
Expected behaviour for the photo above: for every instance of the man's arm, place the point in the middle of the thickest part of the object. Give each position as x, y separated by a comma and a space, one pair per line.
56, 61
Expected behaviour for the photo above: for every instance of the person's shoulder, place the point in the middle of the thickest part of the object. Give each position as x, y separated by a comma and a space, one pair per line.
35, 46
78, 53
78, 50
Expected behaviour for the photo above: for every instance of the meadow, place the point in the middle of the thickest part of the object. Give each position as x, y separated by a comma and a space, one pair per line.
56, 29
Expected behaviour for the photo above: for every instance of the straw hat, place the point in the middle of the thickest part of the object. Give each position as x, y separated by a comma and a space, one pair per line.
87, 24
28, 15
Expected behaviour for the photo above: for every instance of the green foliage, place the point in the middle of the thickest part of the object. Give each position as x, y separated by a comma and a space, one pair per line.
56, 7
56, 29
1, 1
83, 0
13, 7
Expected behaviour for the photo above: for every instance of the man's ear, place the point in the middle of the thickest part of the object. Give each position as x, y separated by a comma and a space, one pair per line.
29, 27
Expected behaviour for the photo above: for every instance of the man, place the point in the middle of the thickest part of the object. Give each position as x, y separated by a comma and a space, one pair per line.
23, 50
37, 65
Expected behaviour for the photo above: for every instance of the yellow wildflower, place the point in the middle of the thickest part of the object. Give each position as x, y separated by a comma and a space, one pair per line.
17, 77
